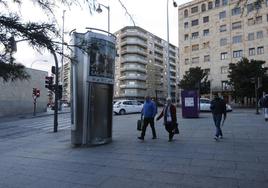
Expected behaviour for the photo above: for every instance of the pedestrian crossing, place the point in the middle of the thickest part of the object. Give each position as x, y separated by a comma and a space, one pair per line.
26, 127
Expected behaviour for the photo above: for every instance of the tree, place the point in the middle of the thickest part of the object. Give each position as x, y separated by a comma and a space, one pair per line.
195, 78
244, 75
38, 35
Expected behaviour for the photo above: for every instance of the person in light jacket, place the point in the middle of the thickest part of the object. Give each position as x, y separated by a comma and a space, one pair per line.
170, 118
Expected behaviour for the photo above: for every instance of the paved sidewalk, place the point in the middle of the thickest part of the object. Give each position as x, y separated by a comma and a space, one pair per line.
194, 159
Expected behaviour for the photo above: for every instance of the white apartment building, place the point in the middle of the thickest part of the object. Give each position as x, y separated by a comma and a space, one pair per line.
141, 65
214, 33
65, 81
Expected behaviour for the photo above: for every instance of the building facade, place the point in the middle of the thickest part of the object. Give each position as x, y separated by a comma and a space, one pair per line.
16, 97
141, 65
214, 33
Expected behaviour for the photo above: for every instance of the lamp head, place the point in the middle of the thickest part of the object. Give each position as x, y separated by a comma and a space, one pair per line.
99, 10
175, 4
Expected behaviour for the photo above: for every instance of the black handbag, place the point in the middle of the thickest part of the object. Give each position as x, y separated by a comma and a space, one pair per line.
176, 129
139, 124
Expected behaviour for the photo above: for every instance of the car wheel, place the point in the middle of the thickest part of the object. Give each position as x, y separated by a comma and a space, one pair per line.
122, 112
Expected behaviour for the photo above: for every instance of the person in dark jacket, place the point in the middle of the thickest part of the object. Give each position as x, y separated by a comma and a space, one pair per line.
264, 105
218, 108
148, 113
170, 118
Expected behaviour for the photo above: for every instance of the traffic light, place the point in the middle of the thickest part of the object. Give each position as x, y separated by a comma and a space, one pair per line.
49, 82
37, 93
60, 91
34, 91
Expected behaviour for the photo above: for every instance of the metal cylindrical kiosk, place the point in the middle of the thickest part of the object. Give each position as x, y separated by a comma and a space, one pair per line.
92, 73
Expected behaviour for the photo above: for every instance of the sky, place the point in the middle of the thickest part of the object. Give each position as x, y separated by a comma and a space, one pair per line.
150, 15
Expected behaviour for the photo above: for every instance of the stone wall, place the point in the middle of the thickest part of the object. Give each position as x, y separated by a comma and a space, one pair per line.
16, 97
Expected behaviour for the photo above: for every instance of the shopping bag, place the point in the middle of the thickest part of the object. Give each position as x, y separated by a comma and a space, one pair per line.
139, 124
176, 129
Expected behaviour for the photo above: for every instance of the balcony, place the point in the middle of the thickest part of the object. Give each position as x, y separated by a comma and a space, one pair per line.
134, 59
134, 50
138, 42
132, 86
133, 34
133, 68
133, 77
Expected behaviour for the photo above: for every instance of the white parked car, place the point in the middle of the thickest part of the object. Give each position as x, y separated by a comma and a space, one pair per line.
127, 106
205, 105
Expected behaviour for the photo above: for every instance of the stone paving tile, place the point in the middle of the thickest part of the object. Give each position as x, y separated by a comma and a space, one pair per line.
194, 159
124, 182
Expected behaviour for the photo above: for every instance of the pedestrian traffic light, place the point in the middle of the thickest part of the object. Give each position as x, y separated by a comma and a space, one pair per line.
49, 82
60, 91
37, 93
34, 91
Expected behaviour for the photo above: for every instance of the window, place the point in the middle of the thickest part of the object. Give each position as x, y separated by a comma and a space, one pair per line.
225, 85
223, 41
194, 22
194, 9
237, 53
206, 45
185, 13
217, 3
251, 21
224, 55
186, 61
206, 58
250, 7
210, 5
236, 11
258, 20
251, 36
237, 39
259, 35
195, 47
222, 14
206, 32
260, 50
186, 37
224, 70
251, 51
195, 60
186, 25
223, 28
224, 2
236, 25
205, 19
186, 49
195, 35
203, 7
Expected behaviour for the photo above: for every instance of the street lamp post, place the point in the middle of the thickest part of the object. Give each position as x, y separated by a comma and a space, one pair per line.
168, 64
99, 10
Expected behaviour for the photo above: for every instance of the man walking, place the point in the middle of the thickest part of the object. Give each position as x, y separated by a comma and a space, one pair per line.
218, 108
148, 113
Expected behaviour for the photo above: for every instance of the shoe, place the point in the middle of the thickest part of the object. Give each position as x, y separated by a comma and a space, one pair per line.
154, 137
170, 140
221, 137
266, 119
141, 138
216, 138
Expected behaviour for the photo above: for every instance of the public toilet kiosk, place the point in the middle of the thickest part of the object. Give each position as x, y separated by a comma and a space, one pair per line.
92, 82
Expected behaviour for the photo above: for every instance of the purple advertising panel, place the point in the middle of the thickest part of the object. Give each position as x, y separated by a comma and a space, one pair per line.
190, 104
